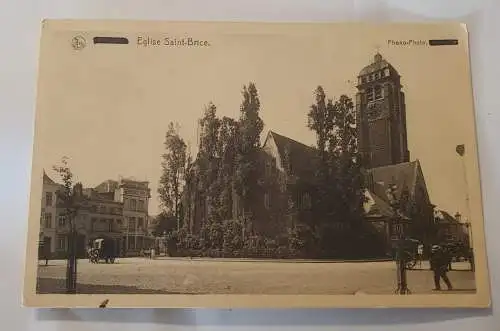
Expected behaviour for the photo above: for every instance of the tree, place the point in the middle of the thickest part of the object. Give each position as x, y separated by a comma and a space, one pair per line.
228, 139
164, 223
172, 180
250, 127
208, 159
69, 197
321, 121
346, 162
339, 179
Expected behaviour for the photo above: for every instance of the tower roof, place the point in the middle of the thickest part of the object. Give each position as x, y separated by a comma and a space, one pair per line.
379, 63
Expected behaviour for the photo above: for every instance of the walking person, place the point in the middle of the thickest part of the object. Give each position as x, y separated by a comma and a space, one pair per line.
420, 254
439, 266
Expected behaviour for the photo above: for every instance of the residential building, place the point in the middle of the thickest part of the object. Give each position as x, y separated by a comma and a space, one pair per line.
117, 210
49, 211
134, 196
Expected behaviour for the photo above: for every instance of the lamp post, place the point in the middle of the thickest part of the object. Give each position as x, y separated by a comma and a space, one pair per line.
397, 224
469, 239
71, 263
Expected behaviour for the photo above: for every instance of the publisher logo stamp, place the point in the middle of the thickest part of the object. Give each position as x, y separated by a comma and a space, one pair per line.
78, 43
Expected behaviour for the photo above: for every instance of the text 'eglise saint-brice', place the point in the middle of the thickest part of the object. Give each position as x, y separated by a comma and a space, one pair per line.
147, 41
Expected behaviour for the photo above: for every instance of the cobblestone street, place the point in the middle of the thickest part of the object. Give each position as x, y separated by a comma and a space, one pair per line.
204, 276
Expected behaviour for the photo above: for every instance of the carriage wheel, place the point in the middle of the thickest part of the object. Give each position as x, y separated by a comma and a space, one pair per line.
411, 264
95, 257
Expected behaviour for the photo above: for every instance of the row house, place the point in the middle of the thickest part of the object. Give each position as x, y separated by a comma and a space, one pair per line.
116, 210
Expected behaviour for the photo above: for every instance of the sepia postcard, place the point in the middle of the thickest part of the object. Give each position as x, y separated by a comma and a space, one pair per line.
257, 165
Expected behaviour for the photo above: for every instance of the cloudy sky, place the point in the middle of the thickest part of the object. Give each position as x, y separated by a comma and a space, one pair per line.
107, 107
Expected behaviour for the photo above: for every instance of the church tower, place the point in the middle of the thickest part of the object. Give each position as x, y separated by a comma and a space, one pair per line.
381, 115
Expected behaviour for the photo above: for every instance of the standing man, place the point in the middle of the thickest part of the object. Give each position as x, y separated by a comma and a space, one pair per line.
420, 254
439, 266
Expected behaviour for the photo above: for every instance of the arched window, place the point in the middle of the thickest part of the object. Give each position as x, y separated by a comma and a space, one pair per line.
306, 201
378, 92
369, 94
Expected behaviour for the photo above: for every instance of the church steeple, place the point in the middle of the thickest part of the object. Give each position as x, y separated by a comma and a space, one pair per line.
381, 114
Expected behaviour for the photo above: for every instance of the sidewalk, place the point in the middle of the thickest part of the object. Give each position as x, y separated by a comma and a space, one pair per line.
219, 259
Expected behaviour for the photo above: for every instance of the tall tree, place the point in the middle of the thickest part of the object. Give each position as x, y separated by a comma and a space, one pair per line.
250, 129
69, 197
209, 154
346, 162
172, 179
339, 179
321, 121
228, 138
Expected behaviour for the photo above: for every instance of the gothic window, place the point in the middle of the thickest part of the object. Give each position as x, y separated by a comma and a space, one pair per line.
268, 168
133, 204
378, 92
306, 201
282, 182
141, 205
267, 202
387, 72
369, 94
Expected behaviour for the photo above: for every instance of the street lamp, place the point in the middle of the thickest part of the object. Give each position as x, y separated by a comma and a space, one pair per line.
397, 224
469, 240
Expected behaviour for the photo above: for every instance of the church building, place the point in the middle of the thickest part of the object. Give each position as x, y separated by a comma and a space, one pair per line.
284, 194
383, 144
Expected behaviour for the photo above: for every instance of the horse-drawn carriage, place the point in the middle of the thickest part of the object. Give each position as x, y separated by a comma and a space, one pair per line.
458, 252
102, 249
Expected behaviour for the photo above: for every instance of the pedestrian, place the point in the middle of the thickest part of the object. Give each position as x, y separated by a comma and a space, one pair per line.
439, 266
420, 254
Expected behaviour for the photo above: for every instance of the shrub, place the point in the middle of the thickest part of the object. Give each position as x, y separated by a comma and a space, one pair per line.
232, 235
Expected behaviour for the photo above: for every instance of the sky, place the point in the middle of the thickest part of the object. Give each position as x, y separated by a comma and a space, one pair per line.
107, 108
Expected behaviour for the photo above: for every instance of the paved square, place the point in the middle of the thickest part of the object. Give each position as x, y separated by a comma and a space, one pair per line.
214, 276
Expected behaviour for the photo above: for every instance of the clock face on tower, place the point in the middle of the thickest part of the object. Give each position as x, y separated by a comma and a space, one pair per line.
374, 110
